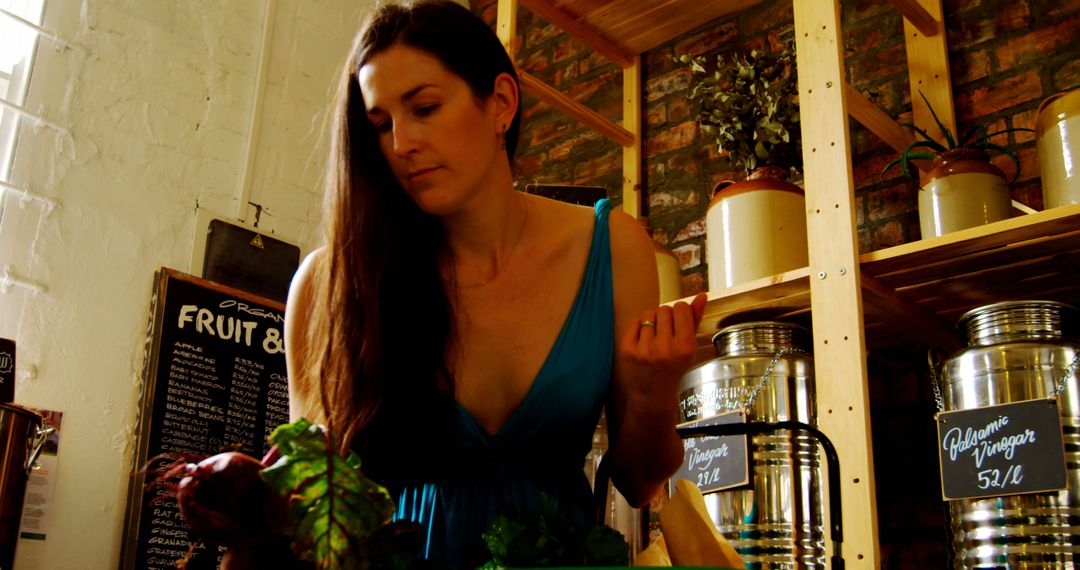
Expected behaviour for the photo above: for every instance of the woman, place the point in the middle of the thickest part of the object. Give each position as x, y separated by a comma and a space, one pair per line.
461, 336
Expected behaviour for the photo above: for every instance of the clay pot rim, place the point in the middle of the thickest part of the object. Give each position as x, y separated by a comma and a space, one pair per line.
962, 160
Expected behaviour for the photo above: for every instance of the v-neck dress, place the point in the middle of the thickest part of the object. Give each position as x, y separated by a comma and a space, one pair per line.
543, 444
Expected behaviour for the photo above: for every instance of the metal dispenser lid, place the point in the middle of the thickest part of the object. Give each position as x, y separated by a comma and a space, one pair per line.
1014, 320
760, 337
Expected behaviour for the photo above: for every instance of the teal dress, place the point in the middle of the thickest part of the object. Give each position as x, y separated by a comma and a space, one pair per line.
543, 444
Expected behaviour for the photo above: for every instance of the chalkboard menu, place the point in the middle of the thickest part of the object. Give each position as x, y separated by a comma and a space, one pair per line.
214, 378
715, 463
999, 450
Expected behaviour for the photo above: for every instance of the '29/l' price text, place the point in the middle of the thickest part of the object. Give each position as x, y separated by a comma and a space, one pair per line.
708, 477
994, 479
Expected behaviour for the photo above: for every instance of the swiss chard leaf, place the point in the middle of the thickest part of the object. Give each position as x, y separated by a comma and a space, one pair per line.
334, 508
551, 538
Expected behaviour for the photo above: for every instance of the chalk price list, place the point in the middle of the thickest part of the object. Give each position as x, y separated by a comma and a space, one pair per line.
277, 408
191, 392
244, 393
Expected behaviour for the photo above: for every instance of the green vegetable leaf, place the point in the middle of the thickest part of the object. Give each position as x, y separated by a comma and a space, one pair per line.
333, 506
551, 538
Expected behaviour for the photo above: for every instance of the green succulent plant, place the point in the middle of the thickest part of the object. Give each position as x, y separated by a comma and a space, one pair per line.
749, 105
977, 137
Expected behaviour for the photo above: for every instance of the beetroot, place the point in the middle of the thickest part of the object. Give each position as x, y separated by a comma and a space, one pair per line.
225, 501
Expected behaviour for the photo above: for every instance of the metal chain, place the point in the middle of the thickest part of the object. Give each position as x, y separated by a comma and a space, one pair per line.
1068, 374
934, 381
765, 376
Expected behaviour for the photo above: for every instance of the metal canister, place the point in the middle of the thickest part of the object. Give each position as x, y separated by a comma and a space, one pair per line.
22, 436
766, 369
1018, 350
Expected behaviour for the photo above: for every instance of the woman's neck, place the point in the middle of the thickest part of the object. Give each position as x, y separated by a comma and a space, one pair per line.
483, 239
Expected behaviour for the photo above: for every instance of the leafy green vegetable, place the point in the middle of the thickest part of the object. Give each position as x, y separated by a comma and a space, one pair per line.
552, 539
334, 508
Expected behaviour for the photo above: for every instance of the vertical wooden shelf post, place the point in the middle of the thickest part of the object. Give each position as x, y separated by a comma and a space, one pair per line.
928, 66
835, 288
632, 198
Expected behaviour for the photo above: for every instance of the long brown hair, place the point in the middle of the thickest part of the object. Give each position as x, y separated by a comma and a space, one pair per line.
381, 317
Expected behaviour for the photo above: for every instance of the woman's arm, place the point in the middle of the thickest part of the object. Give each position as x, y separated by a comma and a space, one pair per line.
303, 397
644, 448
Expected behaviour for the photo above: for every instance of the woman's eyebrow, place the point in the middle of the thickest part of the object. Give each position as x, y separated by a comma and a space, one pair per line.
406, 96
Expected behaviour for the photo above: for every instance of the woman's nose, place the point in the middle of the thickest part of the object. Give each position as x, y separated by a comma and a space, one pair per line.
406, 139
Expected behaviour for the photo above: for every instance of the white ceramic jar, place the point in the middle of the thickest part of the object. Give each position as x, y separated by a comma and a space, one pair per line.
963, 190
754, 229
1057, 131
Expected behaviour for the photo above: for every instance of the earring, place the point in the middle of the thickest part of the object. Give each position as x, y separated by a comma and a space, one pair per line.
502, 138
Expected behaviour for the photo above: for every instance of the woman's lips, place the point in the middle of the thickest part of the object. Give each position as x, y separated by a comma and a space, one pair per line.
421, 174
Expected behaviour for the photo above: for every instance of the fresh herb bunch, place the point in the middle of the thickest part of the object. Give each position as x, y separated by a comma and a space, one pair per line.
749, 105
976, 138
552, 539
340, 519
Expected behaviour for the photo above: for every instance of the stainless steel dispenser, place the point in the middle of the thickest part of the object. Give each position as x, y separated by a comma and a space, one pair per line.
22, 436
766, 369
1018, 350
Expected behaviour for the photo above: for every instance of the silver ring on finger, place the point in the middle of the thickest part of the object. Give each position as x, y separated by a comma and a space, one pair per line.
648, 324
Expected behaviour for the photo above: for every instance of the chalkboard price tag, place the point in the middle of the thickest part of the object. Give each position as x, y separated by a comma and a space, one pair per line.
715, 463
1009, 449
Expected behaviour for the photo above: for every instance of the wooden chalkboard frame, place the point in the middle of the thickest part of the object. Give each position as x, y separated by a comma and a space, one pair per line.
267, 316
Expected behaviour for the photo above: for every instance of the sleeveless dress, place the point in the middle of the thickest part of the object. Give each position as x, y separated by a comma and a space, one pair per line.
543, 444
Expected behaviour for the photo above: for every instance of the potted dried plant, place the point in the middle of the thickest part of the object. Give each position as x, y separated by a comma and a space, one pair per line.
748, 105
963, 189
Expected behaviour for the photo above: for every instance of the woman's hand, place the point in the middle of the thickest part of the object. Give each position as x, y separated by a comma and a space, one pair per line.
653, 355
657, 351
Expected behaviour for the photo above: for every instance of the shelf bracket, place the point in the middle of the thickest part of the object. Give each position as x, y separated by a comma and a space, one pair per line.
557, 99
615, 53
871, 116
918, 321
918, 16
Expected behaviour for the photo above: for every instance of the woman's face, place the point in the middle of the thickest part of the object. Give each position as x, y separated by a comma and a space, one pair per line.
441, 142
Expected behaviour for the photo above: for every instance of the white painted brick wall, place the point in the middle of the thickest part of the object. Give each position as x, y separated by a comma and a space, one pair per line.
157, 95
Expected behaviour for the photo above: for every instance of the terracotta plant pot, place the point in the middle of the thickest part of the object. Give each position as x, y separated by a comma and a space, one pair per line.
1057, 131
963, 190
755, 228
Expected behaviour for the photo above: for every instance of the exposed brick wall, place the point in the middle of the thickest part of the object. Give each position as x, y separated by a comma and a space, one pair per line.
1005, 56
554, 148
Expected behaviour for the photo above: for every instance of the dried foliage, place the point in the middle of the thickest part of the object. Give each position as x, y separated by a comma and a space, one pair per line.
749, 105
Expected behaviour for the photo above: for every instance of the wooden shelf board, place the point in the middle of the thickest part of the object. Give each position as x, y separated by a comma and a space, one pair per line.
640, 25
1036, 256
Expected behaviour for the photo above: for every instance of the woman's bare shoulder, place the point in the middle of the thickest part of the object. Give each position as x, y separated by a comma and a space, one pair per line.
562, 221
300, 289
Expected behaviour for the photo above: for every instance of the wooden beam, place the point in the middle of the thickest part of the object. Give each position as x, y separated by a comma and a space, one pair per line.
928, 73
918, 322
835, 291
617, 54
631, 165
918, 16
885, 127
558, 100
506, 26
872, 117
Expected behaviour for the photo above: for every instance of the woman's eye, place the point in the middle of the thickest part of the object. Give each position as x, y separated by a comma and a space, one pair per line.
426, 110
383, 127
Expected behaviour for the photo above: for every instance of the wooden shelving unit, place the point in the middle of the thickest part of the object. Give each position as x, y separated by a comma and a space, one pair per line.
910, 292
916, 291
